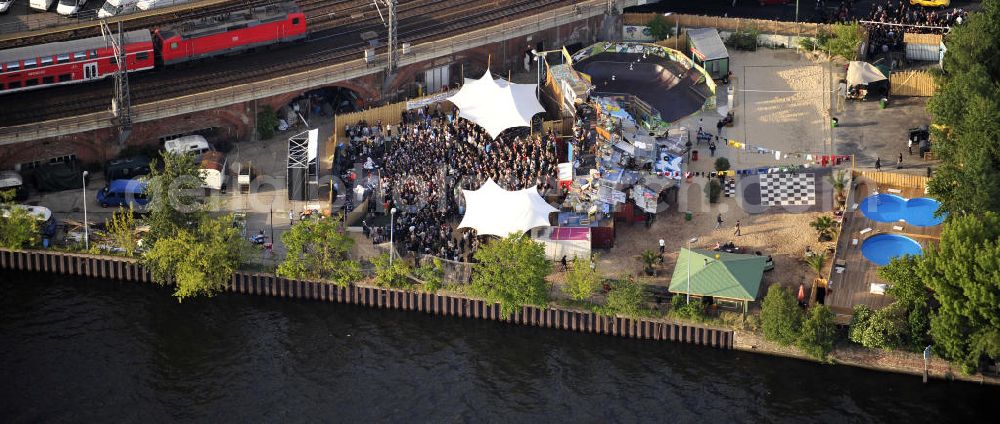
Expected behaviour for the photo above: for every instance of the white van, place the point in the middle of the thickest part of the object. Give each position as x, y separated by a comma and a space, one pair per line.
41, 5
213, 171
11, 180
116, 7
153, 4
193, 144
69, 7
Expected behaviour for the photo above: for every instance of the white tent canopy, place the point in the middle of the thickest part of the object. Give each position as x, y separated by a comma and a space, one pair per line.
496, 104
863, 73
495, 211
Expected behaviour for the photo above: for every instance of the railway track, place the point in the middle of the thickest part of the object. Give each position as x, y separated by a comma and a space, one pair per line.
419, 21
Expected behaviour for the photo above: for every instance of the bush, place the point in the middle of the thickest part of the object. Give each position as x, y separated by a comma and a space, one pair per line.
722, 164
626, 298
818, 332
659, 28
693, 311
395, 275
885, 328
581, 280
714, 190
511, 271
267, 121
431, 274
780, 316
843, 42
744, 39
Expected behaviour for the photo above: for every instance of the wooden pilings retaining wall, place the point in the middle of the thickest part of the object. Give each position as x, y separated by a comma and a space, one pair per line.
109, 267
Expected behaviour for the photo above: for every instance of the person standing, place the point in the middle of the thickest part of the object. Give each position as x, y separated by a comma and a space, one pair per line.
718, 127
718, 221
899, 163
909, 146
878, 164
711, 148
737, 232
663, 246
563, 262
291, 217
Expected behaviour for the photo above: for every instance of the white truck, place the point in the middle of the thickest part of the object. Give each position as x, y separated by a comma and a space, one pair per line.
40, 5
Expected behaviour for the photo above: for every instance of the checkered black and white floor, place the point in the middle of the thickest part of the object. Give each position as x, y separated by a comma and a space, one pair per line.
788, 189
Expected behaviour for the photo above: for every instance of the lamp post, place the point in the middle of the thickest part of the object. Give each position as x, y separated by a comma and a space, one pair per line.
392, 230
691, 240
86, 226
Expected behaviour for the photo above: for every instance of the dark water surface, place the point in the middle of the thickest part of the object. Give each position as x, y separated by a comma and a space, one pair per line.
98, 351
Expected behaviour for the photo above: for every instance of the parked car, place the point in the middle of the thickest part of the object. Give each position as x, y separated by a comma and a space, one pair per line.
5, 4
931, 3
11, 180
124, 193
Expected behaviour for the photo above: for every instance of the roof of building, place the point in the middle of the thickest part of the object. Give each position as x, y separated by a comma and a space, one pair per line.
719, 274
708, 43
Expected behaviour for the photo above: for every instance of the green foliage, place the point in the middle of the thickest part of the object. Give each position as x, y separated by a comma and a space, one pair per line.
511, 271
744, 39
825, 227
648, 259
816, 262
808, 44
198, 261
431, 273
843, 41
318, 249
18, 229
677, 301
626, 298
659, 27
780, 316
906, 286
885, 328
839, 181
396, 275
267, 121
963, 271
175, 195
722, 164
581, 280
694, 311
121, 231
818, 332
966, 104
714, 190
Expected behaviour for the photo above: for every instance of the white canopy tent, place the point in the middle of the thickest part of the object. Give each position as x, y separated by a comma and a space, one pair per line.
863, 73
495, 211
496, 104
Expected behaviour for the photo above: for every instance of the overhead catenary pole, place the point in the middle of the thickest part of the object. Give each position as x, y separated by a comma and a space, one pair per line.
121, 104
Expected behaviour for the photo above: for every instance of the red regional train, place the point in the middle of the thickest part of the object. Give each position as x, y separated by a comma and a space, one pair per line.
69, 62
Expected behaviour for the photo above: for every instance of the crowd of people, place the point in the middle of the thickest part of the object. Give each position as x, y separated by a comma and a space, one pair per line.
889, 19
420, 167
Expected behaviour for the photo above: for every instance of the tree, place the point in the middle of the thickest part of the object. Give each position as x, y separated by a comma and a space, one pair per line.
963, 271
121, 231
626, 297
906, 286
431, 274
396, 275
817, 261
844, 41
885, 328
780, 316
722, 164
267, 121
198, 261
582, 280
511, 271
659, 28
18, 228
318, 249
825, 227
648, 259
175, 195
714, 190
818, 333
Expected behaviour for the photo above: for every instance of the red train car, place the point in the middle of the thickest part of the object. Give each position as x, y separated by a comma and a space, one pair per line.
230, 33
68, 62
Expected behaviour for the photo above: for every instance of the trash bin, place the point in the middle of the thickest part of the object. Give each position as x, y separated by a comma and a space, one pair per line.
694, 156
883, 102
687, 216
45, 243
834, 122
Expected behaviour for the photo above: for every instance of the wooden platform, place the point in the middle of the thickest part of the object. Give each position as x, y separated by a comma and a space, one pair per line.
853, 286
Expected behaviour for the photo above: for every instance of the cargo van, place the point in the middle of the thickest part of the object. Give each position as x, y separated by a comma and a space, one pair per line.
213, 171
124, 193
126, 168
153, 4
11, 180
193, 144
40, 5
115, 8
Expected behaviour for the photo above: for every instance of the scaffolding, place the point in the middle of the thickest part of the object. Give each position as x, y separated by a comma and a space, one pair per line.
302, 174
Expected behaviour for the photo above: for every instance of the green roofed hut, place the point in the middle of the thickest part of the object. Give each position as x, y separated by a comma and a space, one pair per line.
726, 277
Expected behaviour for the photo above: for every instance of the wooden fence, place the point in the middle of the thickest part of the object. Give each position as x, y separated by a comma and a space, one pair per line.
109, 267
731, 24
894, 179
912, 83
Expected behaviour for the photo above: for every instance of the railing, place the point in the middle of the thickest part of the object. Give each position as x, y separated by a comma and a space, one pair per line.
327, 75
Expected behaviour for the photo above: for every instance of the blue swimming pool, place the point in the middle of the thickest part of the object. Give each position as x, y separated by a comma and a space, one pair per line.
918, 211
881, 248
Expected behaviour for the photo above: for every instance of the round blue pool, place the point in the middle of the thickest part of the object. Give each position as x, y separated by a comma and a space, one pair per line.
881, 248
883, 207
920, 212
891, 208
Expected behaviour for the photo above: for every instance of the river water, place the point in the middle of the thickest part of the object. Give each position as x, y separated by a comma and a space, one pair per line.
98, 351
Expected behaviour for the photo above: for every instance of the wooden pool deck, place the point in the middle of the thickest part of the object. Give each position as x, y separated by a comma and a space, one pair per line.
852, 286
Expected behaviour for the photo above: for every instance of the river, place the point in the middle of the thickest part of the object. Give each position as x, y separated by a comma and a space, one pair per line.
76, 350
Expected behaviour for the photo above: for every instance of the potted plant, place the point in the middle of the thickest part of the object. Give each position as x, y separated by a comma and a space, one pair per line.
817, 261
648, 258
839, 181
825, 227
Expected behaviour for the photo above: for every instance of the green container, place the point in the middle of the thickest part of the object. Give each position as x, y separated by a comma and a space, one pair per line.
688, 216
